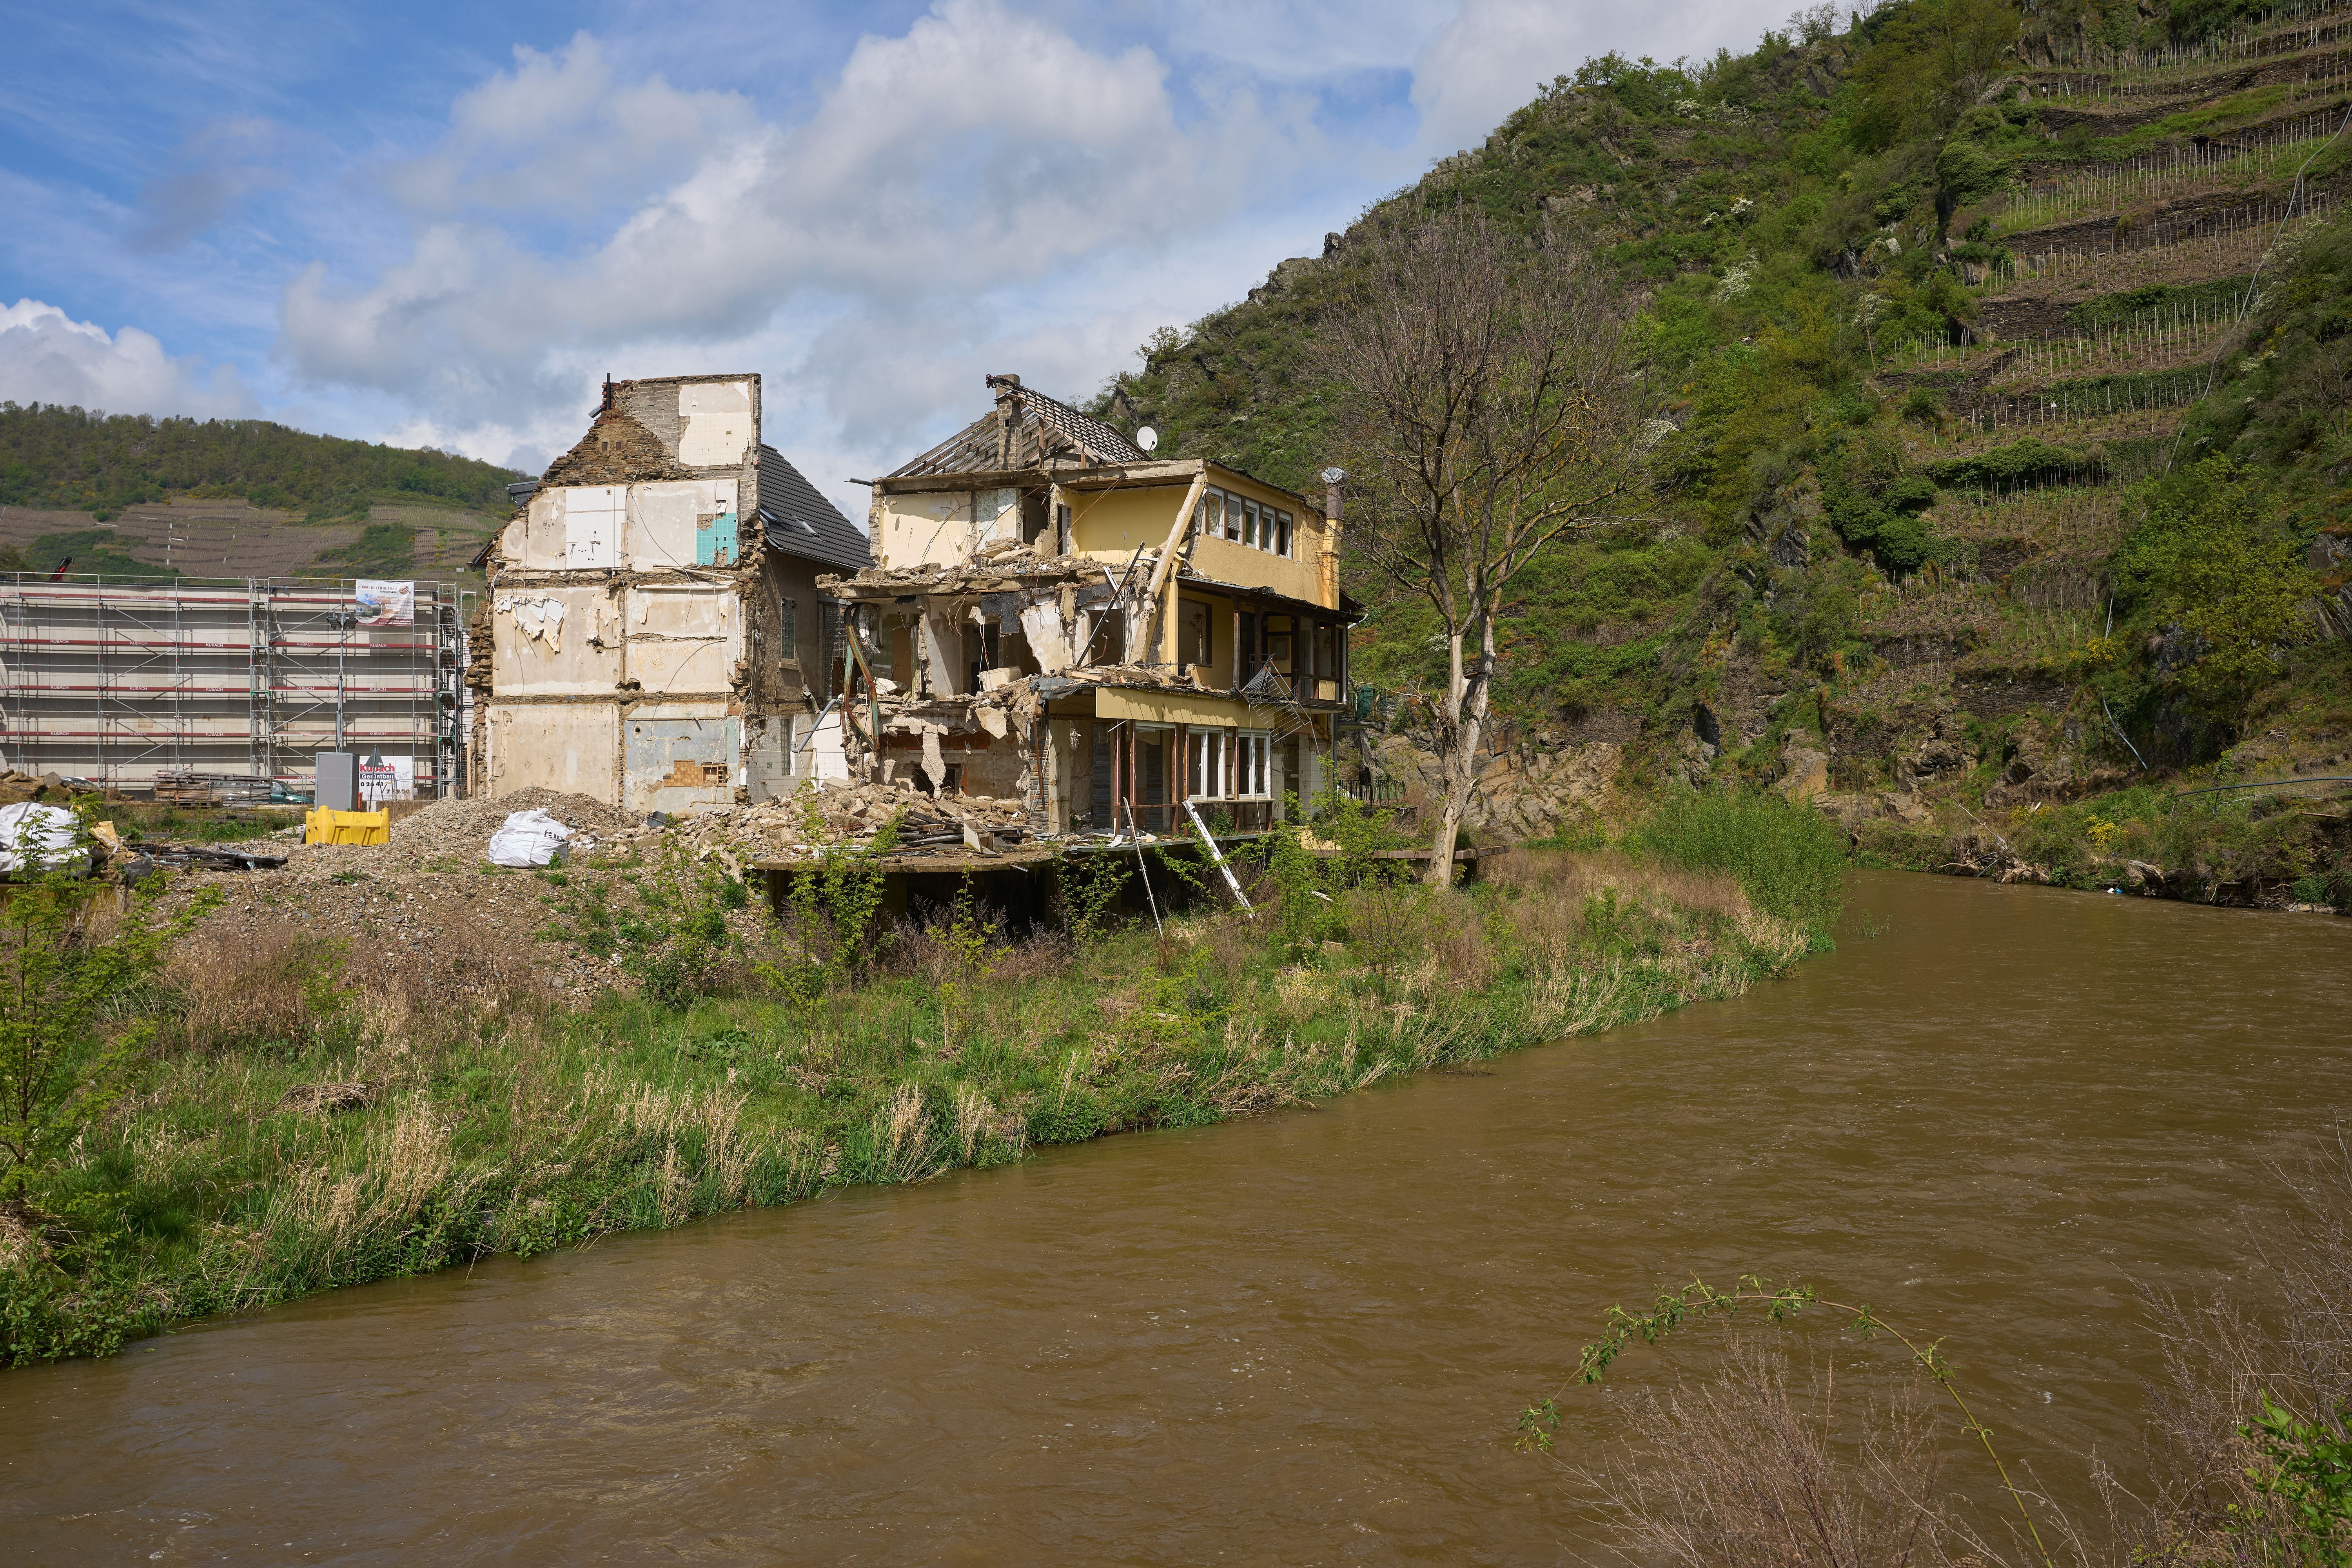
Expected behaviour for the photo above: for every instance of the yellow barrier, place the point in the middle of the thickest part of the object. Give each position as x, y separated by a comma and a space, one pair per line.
347, 828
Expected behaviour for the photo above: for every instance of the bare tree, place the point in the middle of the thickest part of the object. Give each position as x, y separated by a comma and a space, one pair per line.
1483, 415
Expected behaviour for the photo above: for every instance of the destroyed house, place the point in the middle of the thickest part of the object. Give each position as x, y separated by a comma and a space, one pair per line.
1058, 618
657, 636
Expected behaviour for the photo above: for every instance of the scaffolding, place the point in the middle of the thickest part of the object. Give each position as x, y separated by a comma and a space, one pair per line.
122, 680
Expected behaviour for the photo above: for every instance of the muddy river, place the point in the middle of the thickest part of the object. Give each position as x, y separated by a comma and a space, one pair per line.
1299, 1340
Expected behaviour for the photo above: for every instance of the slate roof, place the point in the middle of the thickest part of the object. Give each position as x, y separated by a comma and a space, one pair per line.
798, 519
1040, 427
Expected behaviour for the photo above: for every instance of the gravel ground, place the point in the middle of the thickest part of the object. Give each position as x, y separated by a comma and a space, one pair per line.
414, 921
451, 834
392, 910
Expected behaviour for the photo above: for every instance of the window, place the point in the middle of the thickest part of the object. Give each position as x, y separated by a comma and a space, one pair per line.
1208, 771
1224, 515
1250, 766
1062, 542
1209, 521
788, 627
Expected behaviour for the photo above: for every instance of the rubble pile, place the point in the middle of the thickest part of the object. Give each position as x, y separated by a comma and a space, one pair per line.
833, 813
16, 784
454, 832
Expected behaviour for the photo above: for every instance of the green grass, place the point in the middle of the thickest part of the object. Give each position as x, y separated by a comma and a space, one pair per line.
500, 1120
1788, 860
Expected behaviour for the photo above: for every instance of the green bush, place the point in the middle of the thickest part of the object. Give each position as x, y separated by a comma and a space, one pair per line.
1788, 860
2210, 574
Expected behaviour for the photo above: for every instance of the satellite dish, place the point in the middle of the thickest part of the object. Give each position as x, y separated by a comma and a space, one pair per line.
1147, 438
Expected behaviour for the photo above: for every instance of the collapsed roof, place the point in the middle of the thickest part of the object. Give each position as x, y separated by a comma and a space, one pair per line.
1026, 430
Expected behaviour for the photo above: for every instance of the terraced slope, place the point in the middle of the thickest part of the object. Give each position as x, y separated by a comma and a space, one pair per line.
237, 497
1943, 313
234, 538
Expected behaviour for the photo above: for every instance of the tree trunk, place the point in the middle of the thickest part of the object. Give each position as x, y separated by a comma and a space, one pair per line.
1463, 725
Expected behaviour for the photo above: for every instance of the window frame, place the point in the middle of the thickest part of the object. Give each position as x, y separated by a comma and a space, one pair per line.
1207, 755
1253, 764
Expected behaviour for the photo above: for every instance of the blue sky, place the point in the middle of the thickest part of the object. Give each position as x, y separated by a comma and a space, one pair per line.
443, 225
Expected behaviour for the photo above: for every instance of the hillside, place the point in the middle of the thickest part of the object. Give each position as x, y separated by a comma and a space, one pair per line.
2000, 365
144, 497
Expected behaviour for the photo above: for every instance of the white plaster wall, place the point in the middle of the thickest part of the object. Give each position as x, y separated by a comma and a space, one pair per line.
576, 654
683, 638
663, 520
716, 416
568, 747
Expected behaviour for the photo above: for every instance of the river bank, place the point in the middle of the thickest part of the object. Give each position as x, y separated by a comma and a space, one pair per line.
2282, 845
1985, 1114
307, 1123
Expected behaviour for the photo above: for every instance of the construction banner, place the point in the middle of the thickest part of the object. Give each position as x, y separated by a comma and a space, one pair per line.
383, 603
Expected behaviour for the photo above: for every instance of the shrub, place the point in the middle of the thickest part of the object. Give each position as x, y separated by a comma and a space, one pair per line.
1788, 860
2220, 585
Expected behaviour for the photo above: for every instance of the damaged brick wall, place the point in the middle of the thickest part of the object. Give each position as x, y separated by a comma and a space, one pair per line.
617, 450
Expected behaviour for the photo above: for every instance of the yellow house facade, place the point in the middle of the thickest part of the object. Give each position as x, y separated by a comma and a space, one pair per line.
1058, 617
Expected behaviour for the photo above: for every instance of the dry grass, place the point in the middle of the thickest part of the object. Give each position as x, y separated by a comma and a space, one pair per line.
278, 983
2224, 1355
1572, 876
1746, 1472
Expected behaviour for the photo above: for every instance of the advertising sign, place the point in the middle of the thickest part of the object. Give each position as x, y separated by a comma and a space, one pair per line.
384, 778
383, 603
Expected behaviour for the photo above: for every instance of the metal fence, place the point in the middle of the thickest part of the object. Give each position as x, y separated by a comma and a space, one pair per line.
125, 680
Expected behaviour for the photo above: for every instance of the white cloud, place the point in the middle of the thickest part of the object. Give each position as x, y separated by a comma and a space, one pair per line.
561, 132
1493, 55
46, 357
981, 159
211, 173
999, 186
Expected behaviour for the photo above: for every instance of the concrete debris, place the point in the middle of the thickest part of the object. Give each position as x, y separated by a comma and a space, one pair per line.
818, 818
453, 833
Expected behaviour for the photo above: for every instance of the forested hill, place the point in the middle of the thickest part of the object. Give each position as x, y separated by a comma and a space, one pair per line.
2000, 363
68, 459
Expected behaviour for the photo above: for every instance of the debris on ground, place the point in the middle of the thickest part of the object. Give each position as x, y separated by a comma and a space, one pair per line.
326, 1097
530, 838
450, 834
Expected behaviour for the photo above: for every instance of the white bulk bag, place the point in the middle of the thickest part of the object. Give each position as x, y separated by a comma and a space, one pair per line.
43, 834
528, 838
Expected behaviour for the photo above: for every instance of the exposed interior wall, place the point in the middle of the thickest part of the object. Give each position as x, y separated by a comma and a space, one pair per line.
553, 640
676, 756
569, 746
636, 586
1111, 525
944, 527
681, 638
